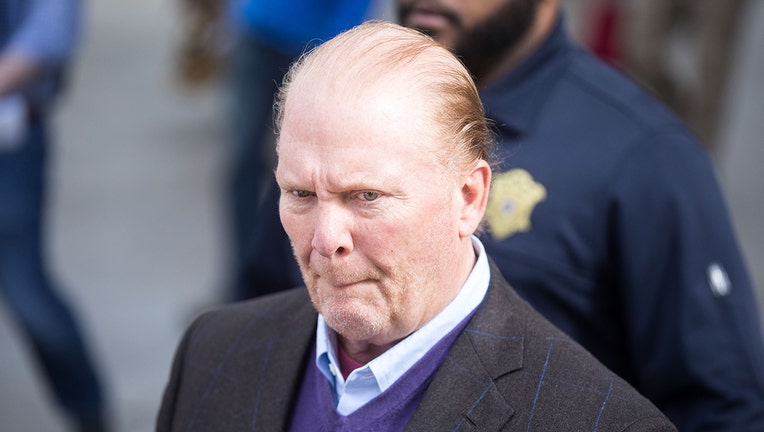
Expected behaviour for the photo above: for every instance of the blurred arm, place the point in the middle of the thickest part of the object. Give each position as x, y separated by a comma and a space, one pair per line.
688, 299
45, 37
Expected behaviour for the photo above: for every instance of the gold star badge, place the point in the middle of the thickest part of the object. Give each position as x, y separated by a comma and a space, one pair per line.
514, 195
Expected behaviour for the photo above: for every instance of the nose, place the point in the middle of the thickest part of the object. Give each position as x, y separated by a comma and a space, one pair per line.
332, 232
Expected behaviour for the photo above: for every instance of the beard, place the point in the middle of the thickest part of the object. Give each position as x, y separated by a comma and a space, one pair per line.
489, 41
484, 45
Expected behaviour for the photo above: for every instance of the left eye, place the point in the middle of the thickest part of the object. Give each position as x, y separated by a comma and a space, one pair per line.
369, 196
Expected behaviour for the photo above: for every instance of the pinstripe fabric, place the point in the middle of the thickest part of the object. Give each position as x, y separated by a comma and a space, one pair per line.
237, 369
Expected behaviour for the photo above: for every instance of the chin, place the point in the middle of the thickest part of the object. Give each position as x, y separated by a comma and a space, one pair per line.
354, 323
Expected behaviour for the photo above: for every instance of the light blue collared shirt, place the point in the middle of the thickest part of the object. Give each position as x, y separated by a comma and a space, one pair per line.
369, 381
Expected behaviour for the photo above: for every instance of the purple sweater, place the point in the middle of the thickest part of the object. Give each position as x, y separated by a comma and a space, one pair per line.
390, 411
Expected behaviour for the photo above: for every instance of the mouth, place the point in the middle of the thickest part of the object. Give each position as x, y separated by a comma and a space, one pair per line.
342, 276
347, 285
428, 19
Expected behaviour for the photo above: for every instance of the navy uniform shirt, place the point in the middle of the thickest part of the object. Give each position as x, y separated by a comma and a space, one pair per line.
605, 214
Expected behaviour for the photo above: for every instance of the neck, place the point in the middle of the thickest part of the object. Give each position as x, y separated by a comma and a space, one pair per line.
362, 352
546, 15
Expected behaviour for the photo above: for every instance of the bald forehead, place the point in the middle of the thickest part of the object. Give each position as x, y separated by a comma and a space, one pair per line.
379, 70
355, 65
388, 90
389, 108
378, 76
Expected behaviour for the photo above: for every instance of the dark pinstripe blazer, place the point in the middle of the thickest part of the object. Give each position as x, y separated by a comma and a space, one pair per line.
238, 368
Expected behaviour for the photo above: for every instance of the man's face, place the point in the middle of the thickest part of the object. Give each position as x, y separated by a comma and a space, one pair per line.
478, 31
370, 211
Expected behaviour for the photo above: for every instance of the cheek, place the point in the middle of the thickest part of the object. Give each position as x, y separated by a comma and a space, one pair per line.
384, 237
437, 231
299, 231
405, 236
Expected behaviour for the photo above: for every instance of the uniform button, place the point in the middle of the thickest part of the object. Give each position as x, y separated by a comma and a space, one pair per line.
718, 280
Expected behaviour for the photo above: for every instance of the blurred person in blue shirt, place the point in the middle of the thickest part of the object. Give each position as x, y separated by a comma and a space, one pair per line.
267, 36
38, 38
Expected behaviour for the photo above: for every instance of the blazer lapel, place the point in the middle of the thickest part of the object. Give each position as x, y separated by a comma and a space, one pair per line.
462, 395
282, 373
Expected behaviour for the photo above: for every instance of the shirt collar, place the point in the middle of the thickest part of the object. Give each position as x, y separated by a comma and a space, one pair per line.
391, 365
514, 100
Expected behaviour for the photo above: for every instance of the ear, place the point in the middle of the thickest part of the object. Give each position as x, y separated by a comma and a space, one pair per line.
474, 198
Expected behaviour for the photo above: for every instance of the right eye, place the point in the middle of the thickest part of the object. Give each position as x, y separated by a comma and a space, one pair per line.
301, 193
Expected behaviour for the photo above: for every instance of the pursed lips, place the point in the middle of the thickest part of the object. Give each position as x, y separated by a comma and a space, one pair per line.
345, 284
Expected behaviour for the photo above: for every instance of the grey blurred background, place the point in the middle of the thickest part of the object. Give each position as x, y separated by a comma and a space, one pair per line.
136, 225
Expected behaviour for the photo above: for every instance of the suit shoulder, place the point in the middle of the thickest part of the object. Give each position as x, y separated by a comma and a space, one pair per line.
269, 311
277, 303
559, 379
